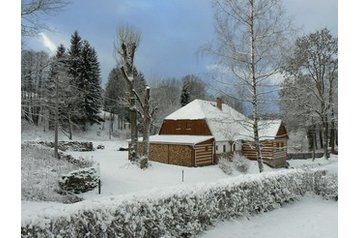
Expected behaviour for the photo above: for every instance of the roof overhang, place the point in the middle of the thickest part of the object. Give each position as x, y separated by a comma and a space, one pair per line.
176, 139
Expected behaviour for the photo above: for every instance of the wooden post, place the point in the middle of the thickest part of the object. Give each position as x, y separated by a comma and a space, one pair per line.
99, 186
182, 175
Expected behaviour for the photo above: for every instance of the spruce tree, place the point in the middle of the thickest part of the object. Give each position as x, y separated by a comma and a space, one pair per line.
184, 97
89, 76
74, 62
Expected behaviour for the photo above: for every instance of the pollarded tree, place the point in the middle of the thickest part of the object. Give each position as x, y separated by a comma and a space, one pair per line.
251, 37
315, 59
126, 45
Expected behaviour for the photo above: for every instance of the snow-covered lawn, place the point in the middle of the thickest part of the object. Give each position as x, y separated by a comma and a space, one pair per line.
311, 217
119, 176
331, 164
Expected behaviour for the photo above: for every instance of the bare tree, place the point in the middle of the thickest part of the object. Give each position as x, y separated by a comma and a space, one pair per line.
31, 10
251, 37
312, 69
126, 45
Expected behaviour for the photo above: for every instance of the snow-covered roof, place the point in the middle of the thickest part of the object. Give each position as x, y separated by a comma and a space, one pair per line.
268, 129
177, 139
226, 124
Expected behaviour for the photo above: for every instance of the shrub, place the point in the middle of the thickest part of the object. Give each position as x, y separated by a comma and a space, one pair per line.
225, 165
241, 164
79, 181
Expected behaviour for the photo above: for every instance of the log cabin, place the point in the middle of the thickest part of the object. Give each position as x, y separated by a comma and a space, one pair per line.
200, 132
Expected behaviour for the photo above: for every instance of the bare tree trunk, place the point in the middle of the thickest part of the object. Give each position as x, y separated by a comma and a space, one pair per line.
326, 137
56, 121
110, 125
70, 125
254, 88
133, 124
146, 125
314, 139
104, 120
118, 121
332, 136
314, 148
321, 138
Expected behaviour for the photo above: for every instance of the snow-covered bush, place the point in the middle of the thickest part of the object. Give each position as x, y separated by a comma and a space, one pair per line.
178, 212
326, 186
70, 145
234, 163
225, 165
241, 164
79, 181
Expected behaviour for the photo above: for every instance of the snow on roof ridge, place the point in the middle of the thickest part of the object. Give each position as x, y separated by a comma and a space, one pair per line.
199, 109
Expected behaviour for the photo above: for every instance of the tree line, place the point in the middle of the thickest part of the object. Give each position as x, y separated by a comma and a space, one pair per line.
67, 85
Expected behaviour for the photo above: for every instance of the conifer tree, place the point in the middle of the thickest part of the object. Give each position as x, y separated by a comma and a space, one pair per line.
184, 97
89, 75
74, 62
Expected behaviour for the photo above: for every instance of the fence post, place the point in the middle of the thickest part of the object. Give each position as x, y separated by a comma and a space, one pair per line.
182, 175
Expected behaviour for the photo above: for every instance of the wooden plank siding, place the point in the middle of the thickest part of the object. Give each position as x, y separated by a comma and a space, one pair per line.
204, 153
249, 151
184, 127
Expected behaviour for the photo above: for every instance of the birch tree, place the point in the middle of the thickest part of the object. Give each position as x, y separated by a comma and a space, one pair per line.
251, 36
31, 11
315, 60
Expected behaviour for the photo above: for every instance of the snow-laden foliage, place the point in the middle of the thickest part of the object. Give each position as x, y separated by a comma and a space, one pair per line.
79, 181
70, 145
236, 162
180, 211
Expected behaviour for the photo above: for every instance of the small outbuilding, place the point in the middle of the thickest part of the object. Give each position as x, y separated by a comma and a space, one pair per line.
185, 150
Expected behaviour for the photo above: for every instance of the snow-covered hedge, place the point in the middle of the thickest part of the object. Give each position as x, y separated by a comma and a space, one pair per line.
180, 211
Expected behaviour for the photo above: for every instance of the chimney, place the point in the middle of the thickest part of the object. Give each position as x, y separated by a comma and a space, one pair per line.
219, 103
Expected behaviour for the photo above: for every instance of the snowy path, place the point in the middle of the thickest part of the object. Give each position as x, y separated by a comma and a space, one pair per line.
311, 217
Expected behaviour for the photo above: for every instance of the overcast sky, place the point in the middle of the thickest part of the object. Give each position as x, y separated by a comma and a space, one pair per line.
172, 30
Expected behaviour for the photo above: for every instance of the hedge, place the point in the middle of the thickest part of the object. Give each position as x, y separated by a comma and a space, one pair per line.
184, 211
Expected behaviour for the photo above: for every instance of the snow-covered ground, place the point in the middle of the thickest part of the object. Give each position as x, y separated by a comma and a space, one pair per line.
331, 164
311, 217
119, 176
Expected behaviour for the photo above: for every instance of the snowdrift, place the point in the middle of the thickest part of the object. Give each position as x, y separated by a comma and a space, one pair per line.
179, 211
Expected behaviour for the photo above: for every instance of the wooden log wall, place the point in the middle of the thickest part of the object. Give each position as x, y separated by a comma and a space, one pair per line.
249, 151
204, 153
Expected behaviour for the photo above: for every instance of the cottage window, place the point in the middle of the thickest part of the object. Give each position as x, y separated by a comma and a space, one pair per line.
178, 126
224, 148
188, 126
